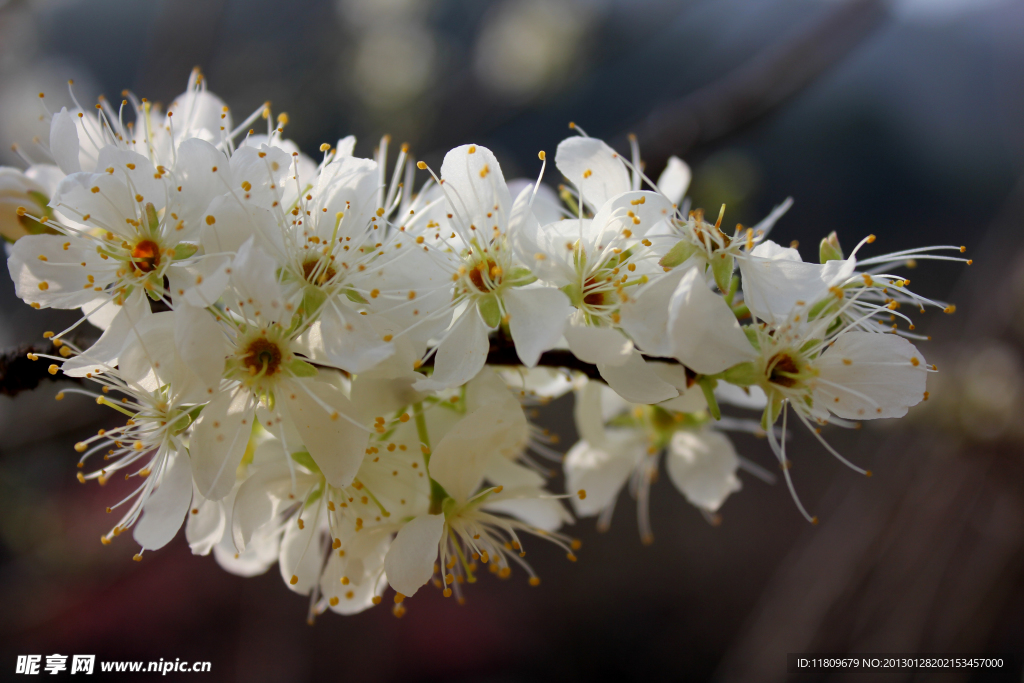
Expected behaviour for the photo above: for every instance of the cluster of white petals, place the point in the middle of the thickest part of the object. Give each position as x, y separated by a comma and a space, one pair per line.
330, 366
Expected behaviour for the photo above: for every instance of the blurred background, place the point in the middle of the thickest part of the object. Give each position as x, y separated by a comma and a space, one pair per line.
903, 118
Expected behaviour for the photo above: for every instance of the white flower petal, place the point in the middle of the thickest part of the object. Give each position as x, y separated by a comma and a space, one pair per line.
64, 144
637, 381
362, 566
167, 506
254, 505
47, 274
645, 316
475, 189
102, 355
598, 344
537, 318
540, 248
599, 472
218, 441
691, 396
200, 342
302, 553
705, 334
205, 525
594, 168
542, 513
410, 560
348, 341
461, 355
868, 375
635, 212
458, 461
589, 415
254, 281
703, 466
502, 471
337, 445
674, 180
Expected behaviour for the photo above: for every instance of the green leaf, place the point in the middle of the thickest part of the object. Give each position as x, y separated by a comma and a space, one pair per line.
829, 250
677, 254
490, 311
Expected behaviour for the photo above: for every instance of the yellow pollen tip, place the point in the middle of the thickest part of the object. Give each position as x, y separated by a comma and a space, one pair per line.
582, 493
422, 165
52, 369
541, 155
534, 580
399, 598
137, 557
294, 580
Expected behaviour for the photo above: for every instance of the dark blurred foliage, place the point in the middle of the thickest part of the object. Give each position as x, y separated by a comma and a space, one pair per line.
912, 128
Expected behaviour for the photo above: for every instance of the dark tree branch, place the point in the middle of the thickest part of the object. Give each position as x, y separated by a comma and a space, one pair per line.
18, 373
758, 86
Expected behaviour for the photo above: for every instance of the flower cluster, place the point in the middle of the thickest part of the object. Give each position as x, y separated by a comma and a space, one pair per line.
314, 358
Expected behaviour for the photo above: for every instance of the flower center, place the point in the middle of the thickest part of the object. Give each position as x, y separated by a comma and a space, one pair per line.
262, 355
485, 276
783, 367
597, 291
146, 256
316, 275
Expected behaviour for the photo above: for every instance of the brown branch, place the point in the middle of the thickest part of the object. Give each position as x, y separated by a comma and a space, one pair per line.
763, 82
18, 373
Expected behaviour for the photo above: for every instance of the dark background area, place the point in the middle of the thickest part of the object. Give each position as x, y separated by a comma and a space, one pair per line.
902, 118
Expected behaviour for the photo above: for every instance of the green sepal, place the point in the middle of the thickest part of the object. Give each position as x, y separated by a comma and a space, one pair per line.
184, 251
312, 299
300, 368
722, 266
772, 410
752, 337
520, 276
152, 220
353, 295
678, 254
707, 385
742, 375
575, 294
181, 422
570, 201
829, 249
306, 460
490, 311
